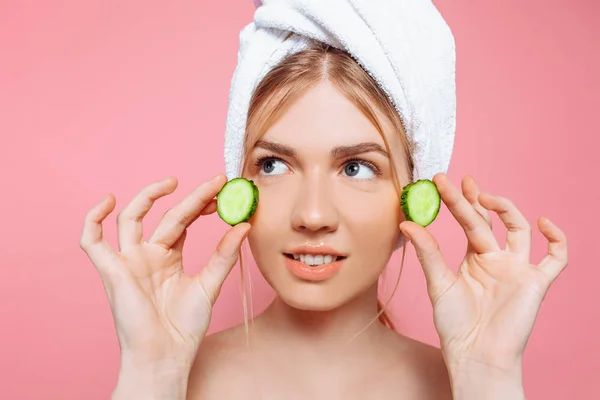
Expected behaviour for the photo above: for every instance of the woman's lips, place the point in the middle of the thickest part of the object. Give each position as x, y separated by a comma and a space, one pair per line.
315, 273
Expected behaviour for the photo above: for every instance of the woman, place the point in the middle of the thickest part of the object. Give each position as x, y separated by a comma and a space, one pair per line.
328, 151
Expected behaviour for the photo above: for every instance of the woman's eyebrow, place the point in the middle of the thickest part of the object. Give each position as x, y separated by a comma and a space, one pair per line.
336, 152
276, 148
355, 149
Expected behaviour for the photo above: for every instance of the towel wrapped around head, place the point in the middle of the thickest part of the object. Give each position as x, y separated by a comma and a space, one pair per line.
404, 45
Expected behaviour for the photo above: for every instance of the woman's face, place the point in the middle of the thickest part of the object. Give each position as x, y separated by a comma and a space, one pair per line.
326, 190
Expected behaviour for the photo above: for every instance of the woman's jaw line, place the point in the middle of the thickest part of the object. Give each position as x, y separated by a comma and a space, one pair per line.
331, 327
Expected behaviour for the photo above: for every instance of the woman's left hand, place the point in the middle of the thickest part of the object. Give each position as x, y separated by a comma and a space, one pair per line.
484, 314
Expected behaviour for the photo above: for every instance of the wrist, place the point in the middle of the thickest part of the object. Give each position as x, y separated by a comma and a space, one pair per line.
487, 380
165, 379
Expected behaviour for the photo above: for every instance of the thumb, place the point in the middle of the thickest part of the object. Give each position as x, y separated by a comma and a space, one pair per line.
439, 277
222, 261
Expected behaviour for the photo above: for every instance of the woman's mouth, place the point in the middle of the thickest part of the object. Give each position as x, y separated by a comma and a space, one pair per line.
314, 260
313, 267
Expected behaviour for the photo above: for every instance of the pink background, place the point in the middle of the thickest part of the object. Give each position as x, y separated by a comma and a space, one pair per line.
99, 97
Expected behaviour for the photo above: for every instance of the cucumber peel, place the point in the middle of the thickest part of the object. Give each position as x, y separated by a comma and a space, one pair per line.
420, 202
237, 201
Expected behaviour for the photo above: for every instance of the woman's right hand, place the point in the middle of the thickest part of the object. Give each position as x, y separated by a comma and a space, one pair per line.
160, 314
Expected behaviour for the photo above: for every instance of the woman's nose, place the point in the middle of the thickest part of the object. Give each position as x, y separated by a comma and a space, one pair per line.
314, 209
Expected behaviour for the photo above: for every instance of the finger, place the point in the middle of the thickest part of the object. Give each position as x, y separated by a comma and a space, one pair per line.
478, 232
518, 235
209, 208
439, 277
471, 192
222, 261
129, 221
178, 245
92, 240
557, 258
180, 217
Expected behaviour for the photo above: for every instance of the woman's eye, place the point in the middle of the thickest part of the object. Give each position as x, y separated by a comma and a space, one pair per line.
273, 167
355, 169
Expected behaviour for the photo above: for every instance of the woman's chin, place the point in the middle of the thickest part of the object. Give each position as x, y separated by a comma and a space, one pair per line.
309, 293
313, 297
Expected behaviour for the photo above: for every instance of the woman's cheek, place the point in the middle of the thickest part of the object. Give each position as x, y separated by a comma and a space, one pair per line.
272, 214
381, 205
375, 219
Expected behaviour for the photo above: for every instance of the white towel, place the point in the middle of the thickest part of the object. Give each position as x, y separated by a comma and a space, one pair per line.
405, 45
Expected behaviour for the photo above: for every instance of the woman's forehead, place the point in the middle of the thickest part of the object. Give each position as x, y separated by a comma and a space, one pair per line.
323, 116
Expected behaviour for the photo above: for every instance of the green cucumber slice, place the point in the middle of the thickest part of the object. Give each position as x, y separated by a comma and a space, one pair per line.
420, 201
237, 201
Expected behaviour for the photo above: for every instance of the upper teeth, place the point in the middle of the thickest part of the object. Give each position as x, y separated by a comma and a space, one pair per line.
311, 259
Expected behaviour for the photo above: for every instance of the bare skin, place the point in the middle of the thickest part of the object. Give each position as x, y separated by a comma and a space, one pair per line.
483, 314
298, 345
286, 362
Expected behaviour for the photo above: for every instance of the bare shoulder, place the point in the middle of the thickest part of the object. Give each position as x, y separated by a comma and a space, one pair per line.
221, 359
405, 365
424, 365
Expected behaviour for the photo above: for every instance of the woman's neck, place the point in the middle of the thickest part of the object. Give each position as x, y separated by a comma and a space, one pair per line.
322, 330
